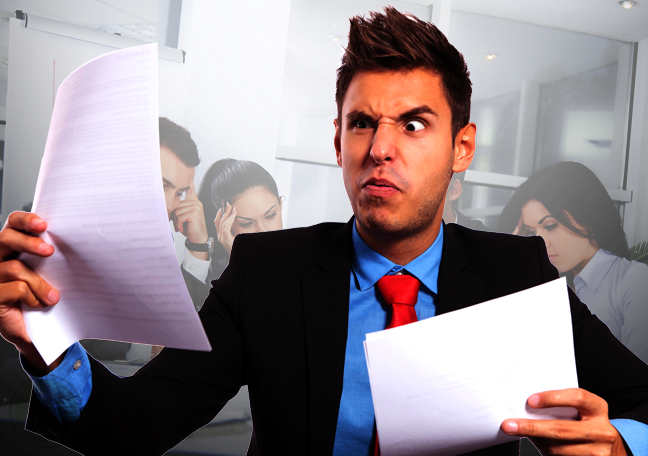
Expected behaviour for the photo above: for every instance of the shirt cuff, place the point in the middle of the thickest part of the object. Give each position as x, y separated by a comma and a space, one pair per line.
65, 391
635, 435
195, 267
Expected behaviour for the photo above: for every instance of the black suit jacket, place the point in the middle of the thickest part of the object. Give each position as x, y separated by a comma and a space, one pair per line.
277, 321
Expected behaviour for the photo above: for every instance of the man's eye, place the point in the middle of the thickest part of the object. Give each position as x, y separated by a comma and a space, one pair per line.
414, 125
361, 124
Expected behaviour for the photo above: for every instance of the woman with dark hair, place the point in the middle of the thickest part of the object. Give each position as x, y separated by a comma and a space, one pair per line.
238, 196
568, 206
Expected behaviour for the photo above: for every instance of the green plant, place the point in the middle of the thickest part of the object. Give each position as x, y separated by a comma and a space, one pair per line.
639, 252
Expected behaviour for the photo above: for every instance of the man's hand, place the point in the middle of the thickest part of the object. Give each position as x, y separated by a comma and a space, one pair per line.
189, 219
19, 283
592, 434
224, 219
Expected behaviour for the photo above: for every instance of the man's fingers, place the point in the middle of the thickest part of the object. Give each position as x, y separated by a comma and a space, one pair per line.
586, 403
574, 431
26, 285
13, 292
25, 221
191, 193
13, 241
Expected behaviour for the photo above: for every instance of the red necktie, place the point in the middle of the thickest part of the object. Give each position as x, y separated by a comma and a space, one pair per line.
401, 293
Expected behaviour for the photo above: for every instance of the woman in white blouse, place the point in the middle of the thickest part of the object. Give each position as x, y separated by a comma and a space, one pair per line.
568, 206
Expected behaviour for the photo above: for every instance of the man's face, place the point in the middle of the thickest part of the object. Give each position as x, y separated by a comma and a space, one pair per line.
394, 144
176, 178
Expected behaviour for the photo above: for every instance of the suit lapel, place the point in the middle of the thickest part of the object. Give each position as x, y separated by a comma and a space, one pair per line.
457, 287
326, 314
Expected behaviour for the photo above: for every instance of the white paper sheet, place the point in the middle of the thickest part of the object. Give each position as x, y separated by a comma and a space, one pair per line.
100, 190
444, 385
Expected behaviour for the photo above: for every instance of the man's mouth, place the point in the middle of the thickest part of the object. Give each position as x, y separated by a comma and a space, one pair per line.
380, 187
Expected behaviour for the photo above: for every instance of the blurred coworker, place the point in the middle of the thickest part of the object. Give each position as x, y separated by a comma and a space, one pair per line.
568, 206
179, 158
450, 212
238, 196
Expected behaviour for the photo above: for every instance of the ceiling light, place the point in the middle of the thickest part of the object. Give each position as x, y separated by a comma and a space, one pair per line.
334, 38
627, 4
490, 56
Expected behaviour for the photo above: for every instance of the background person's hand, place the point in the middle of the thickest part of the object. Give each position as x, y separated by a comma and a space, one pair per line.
592, 434
224, 219
189, 219
19, 283
518, 231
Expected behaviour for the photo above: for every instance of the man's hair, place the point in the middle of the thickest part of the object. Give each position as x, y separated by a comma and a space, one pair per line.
178, 140
402, 42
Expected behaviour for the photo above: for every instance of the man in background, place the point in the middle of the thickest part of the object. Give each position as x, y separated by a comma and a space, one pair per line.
451, 213
179, 158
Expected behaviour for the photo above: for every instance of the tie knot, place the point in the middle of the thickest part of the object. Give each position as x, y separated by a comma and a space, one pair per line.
399, 289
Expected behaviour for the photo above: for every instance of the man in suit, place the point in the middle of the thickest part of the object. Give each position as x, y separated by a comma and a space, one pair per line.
178, 160
451, 213
291, 328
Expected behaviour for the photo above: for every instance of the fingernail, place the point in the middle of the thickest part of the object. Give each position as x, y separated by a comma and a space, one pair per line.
534, 400
37, 223
511, 426
53, 296
44, 248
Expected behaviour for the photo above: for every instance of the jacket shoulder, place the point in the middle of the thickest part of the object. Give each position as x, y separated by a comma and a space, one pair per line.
503, 255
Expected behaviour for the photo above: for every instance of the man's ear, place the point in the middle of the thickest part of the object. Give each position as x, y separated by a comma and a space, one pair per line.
464, 148
454, 190
337, 143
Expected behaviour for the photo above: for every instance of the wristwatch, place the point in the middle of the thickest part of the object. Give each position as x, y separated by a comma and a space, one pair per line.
206, 247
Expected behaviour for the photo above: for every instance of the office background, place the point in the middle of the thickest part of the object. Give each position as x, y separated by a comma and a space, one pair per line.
553, 80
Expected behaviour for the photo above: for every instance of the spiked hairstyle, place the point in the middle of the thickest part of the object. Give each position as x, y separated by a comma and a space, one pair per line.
401, 42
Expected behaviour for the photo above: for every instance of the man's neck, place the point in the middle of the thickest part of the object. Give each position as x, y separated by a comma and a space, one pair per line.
401, 251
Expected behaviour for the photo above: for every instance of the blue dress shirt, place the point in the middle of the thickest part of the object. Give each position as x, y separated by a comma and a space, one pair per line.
368, 313
66, 390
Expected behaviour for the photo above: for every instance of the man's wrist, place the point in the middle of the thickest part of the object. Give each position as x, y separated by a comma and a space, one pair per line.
204, 247
34, 364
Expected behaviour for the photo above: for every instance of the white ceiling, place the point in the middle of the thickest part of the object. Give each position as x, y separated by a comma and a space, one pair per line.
313, 55
595, 17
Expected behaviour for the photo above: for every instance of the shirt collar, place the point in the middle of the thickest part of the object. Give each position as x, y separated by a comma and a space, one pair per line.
596, 269
369, 266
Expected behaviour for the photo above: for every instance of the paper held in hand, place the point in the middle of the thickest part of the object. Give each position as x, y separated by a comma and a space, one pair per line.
100, 190
444, 385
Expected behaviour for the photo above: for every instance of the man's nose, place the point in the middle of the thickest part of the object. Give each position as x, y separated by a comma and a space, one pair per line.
384, 146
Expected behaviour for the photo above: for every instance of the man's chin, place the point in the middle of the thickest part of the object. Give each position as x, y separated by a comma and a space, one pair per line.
386, 226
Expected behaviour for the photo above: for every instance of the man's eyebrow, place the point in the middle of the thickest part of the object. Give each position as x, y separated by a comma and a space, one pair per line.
424, 109
168, 182
358, 115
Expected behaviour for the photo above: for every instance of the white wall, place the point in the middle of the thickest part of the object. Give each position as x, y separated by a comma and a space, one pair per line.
235, 64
